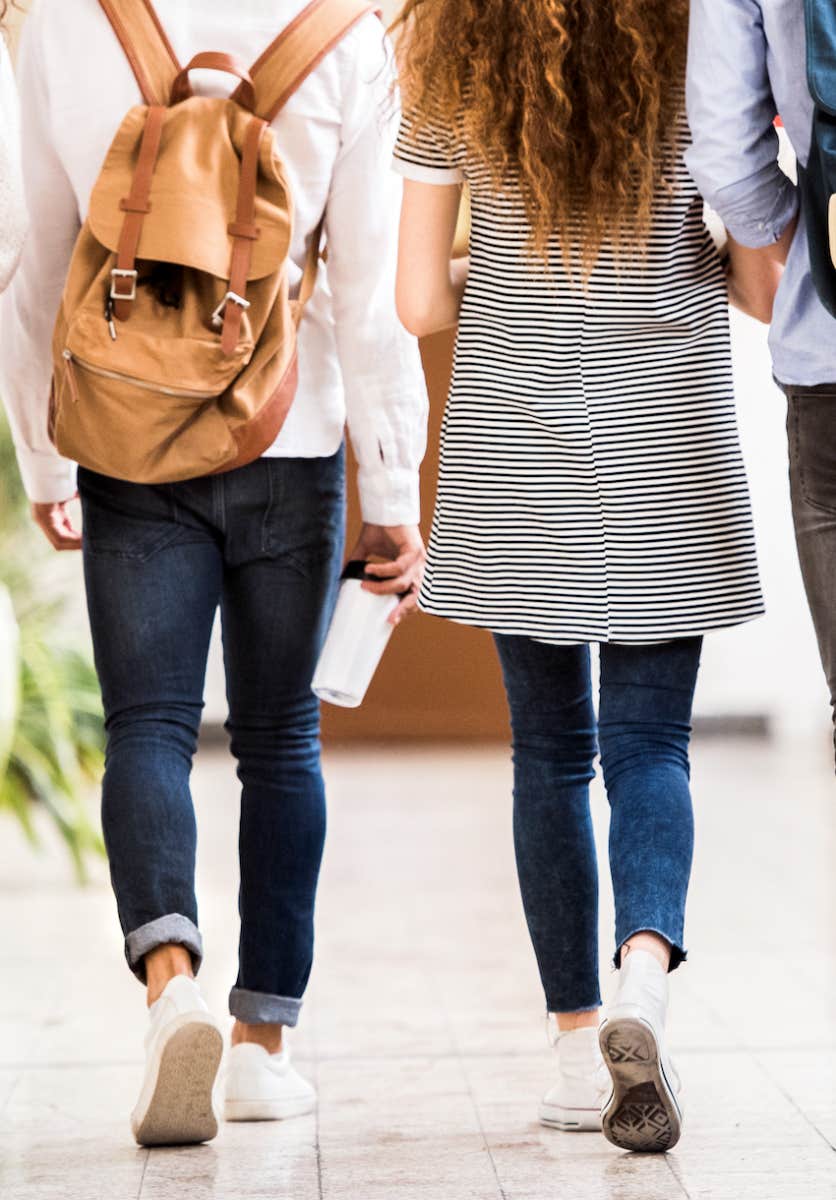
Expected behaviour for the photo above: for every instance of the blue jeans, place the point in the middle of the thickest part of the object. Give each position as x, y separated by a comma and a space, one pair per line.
265, 543
643, 731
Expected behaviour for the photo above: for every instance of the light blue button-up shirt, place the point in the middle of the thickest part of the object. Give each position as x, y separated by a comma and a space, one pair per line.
747, 62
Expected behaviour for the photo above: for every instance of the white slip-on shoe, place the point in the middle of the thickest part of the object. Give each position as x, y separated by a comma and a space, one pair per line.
643, 1111
574, 1103
183, 1050
261, 1086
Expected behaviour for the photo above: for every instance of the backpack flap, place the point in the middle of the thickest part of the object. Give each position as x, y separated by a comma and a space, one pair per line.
192, 203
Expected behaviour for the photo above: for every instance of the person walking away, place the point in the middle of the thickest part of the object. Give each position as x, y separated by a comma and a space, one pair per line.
262, 541
592, 488
747, 62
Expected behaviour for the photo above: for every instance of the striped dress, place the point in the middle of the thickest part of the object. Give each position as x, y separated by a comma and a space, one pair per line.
592, 487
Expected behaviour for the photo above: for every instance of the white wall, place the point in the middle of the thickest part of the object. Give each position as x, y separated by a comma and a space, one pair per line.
770, 666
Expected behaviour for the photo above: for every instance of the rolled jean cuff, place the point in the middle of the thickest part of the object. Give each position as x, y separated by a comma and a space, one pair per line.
173, 929
678, 954
260, 1008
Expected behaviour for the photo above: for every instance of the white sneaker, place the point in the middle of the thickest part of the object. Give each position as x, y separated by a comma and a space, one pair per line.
264, 1087
643, 1111
183, 1049
574, 1103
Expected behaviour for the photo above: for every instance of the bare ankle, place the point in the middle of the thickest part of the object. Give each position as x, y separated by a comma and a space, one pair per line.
653, 944
162, 965
268, 1036
567, 1022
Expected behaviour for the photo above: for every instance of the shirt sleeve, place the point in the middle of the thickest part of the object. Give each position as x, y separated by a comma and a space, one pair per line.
426, 152
733, 157
29, 306
385, 391
12, 207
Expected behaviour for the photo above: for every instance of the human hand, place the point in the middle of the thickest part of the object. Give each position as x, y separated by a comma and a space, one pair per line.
57, 525
755, 275
401, 573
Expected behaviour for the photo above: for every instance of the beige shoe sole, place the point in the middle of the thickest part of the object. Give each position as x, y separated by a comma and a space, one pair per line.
175, 1107
642, 1113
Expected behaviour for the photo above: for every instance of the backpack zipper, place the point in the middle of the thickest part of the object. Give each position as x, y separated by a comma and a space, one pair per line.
178, 393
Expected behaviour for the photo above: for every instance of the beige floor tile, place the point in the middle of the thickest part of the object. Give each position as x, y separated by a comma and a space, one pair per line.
424, 1023
808, 1079
264, 1161
64, 1135
761, 1004
401, 1130
533, 1162
744, 1137
8, 1082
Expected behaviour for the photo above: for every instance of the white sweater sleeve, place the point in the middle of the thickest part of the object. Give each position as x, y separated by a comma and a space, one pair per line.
12, 208
386, 396
29, 306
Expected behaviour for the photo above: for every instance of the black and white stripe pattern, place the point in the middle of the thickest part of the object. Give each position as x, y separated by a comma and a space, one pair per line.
592, 486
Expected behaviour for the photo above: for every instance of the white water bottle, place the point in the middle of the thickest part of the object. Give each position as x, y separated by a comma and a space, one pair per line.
359, 632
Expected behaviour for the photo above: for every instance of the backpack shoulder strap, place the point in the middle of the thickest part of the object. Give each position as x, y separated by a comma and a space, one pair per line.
146, 47
300, 48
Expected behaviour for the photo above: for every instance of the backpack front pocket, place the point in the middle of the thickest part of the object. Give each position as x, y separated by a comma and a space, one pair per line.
134, 430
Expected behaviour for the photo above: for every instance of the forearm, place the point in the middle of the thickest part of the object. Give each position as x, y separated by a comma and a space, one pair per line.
431, 282
733, 157
439, 308
755, 274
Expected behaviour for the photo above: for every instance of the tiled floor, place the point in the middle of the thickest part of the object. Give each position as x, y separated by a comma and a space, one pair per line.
423, 1028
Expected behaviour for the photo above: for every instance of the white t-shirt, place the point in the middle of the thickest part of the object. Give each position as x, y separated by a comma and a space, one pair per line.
336, 136
12, 209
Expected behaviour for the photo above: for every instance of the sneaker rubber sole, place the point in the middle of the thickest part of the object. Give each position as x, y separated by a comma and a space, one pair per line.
570, 1120
268, 1110
642, 1114
175, 1107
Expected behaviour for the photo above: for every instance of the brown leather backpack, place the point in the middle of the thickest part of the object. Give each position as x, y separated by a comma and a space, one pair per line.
175, 345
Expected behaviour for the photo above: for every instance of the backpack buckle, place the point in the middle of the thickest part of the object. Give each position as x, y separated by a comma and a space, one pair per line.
115, 275
234, 298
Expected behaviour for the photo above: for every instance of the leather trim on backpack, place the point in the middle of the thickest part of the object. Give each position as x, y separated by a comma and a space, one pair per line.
259, 434
136, 206
211, 60
299, 49
243, 232
146, 46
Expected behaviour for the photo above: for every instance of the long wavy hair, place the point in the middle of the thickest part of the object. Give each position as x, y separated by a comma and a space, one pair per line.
574, 101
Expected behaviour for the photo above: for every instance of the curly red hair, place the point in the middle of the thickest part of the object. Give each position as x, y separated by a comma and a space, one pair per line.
576, 100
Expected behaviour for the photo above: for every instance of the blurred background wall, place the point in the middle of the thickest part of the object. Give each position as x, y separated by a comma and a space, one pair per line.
439, 680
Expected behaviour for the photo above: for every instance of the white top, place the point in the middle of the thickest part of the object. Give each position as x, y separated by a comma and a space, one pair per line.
592, 487
12, 209
336, 135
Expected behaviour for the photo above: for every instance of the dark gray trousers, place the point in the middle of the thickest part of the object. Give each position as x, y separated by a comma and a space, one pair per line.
811, 426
